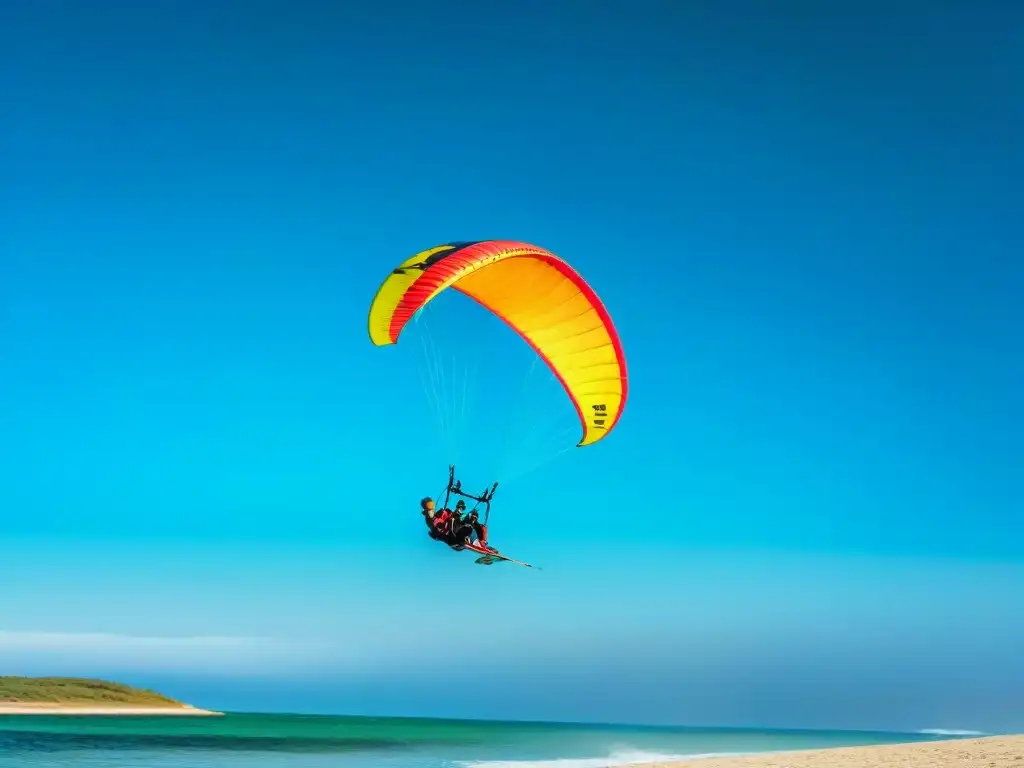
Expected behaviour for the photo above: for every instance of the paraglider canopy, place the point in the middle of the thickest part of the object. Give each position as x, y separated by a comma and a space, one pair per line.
539, 296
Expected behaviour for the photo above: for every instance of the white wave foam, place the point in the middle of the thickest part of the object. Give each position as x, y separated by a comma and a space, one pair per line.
616, 758
949, 732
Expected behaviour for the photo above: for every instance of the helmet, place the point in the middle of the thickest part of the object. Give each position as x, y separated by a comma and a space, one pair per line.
424, 501
460, 504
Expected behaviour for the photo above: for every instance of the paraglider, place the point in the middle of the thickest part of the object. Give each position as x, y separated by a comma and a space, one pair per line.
461, 530
540, 297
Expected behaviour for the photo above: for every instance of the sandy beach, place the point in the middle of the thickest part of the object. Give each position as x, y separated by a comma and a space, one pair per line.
65, 709
990, 752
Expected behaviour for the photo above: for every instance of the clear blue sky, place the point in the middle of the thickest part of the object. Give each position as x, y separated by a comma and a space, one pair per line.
802, 221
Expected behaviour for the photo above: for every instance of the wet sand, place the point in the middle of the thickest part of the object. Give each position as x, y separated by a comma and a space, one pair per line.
990, 752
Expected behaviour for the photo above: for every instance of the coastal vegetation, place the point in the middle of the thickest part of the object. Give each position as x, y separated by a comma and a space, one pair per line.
78, 691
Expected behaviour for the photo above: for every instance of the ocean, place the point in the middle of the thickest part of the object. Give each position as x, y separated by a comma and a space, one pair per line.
313, 741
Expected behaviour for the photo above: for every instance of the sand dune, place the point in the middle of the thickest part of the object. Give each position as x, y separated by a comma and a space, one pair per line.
990, 752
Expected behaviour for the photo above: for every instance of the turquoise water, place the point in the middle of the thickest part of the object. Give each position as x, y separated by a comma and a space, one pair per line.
301, 741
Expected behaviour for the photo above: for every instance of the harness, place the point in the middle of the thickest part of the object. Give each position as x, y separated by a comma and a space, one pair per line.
441, 526
455, 487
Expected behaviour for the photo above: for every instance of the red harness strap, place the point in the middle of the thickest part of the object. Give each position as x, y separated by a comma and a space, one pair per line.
443, 521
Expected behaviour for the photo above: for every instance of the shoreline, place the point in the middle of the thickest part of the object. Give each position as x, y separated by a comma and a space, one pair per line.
120, 710
985, 752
